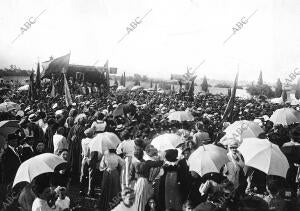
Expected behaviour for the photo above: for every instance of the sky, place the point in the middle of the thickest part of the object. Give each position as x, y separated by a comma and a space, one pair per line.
174, 35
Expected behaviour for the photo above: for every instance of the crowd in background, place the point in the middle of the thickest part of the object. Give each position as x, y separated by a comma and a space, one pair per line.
155, 181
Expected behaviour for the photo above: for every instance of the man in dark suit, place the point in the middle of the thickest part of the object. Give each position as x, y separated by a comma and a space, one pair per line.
26, 151
9, 164
10, 160
184, 176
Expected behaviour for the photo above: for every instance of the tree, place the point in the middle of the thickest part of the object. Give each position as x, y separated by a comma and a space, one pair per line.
297, 93
261, 90
122, 80
278, 88
284, 95
260, 79
180, 86
204, 85
145, 78
137, 77
137, 83
116, 82
191, 89
229, 92
151, 84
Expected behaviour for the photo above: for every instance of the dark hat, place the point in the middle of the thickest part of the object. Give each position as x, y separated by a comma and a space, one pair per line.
42, 115
139, 142
171, 155
51, 121
40, 183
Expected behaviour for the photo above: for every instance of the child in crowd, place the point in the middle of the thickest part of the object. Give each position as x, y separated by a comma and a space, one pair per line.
63, 202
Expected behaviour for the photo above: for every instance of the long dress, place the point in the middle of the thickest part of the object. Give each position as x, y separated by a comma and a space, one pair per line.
75, 136
112, 165
143, 192
170, 189
143, 188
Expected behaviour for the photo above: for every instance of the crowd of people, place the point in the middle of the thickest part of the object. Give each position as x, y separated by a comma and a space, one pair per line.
135, 175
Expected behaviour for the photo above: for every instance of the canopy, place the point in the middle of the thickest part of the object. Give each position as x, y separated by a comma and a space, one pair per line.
285, 116
104, 141
8, 127
181, 116
208, 159
243, 129
265, 156
36, 166
9, 106
167, 141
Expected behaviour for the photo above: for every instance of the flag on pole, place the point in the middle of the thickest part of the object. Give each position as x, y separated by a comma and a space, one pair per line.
45, 66
192, 87
107, 73
229, 108
284, 96
52, 94
38, 78
31, 87
68, 97
56, 66
124, 80
297, 93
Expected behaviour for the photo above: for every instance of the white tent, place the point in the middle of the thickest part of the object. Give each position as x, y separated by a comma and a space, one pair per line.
136, 88
277, 100
121, 88
24, 88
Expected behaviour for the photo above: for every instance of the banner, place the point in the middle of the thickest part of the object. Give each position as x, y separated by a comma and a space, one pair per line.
57, 65
229, 108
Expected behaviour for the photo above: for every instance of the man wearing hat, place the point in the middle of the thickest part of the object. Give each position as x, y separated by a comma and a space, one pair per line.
99, 125
10, 160
200, 138
184, 173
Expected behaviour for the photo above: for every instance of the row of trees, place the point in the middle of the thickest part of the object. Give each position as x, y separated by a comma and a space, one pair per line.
264, 89
14, 71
